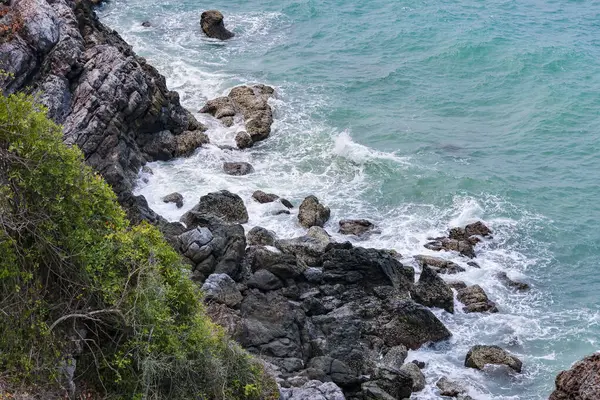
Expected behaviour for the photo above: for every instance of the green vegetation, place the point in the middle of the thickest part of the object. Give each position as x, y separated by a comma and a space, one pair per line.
78, 283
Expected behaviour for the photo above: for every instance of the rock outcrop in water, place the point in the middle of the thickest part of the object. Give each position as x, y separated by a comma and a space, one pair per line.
213, 26
111, 103
580, 382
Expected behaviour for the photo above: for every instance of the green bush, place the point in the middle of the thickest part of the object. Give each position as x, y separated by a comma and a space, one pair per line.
78, 283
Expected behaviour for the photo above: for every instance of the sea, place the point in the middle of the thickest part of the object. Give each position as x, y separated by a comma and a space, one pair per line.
419, 115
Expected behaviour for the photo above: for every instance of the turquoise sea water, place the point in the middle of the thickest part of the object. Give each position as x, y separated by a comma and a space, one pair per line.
419, 115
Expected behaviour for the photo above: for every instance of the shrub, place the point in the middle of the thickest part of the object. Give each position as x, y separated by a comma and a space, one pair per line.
79, 285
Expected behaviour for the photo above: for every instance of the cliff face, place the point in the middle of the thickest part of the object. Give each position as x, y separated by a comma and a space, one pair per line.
111, 103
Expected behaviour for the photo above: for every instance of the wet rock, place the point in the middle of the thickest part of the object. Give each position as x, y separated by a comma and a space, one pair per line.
432, 291
243, 140
357, 227
222, 289
313, 390
371, 391
473, 264
280, 212
450, 388
313, 213
265, 281
457, 285
417, 376
286, 203
147, 170
308, 249
420, 364
146, 24
263, 197
475, 300
479, 356
238, 168
463, 247
260, 236
220, 206
475, 229
412, 326
396, 383
212, 25
580, 382
506, 281
439, 265
175, 197
395, 357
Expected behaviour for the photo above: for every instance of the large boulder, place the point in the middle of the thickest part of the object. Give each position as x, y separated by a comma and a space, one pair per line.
212, 24
581, 382
479, 356
313, 213
413, 325
222, 289
222, 206
251, 102
263, 197
175, 197
417, 376
194, 244
259, 236
432, 291
395, 357
264, 280
475, 300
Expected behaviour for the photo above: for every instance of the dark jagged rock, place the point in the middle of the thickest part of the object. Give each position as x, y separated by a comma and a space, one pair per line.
432, 291
313, 390
417, 376
357, 227
249, 101
479, 356
263, 197
243, 140
313, 213
395, 357
176, 198
506, 281
461, 240
286, 203
221, 288
260, 236
580, 382
146, 24
110, 102
221, 206
213, 26
439, 265
264, 280
475, 300
307, 249
238, 168
450, 388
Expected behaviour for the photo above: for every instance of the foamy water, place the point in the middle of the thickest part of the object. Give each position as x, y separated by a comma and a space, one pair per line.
360, 171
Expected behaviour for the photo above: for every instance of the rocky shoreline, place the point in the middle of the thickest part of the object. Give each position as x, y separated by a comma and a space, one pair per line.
332, 320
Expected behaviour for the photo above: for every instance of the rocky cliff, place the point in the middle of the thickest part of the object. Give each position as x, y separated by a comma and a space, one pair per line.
112, 104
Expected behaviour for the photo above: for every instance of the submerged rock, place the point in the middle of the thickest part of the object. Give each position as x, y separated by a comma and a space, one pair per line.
175, 197
479, 356
475, 300
238, 168
220, 206
506, 281
213, 26
313, 213
357, 227
580, 382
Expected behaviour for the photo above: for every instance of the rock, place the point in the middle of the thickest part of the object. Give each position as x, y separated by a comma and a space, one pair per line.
371, 391
473, 264
520, 286
308, 249
114, 106
264, 280
457, 285
479, 356
249, 101
280, 212
413, 325
357, 227
237, 168
417, 376
449, 388
313, 390
395, 357
222, 289
313, 213
432, 291
286, 203
475, 300
146, 24
175, 197
464, 247
580, 382
396, 383
212, 25
221, 206
420, 364
263, 197
260, 236
243, 140
194, 244
439, 265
